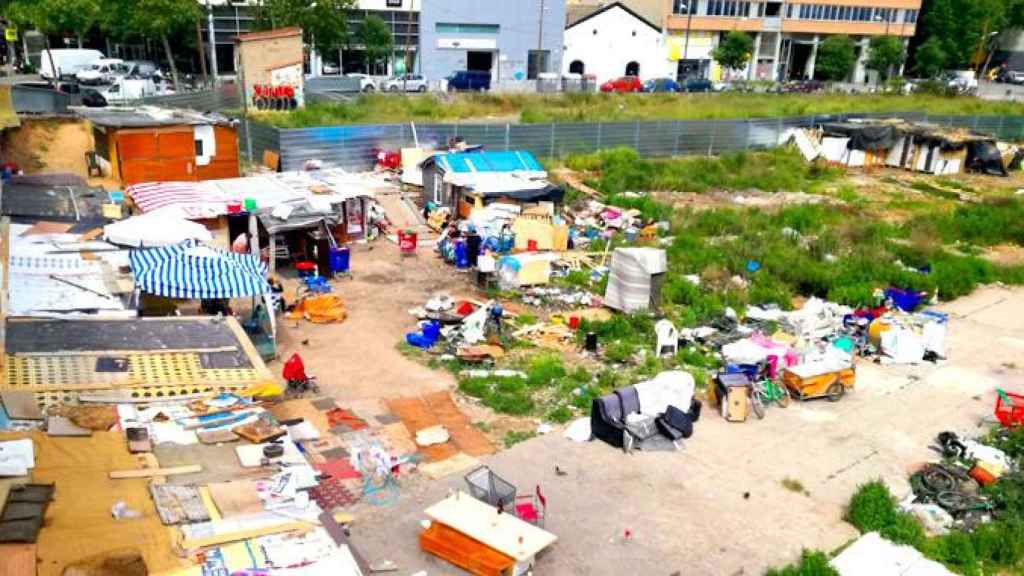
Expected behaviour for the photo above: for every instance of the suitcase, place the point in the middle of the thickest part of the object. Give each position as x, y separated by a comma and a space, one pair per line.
679, 420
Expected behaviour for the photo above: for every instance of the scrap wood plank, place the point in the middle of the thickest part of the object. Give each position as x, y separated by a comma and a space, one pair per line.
21, 405
152, 472
574, 182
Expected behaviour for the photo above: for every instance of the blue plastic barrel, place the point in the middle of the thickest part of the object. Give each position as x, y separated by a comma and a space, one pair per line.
339, 259
461, 254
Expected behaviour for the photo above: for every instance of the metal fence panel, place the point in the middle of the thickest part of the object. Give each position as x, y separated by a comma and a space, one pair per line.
31, 100
224, 97
352, 147
254, 138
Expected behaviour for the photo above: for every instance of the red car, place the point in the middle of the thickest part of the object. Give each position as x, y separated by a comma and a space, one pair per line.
623, 84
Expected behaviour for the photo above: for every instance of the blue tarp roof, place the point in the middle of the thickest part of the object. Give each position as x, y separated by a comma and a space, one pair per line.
511, 161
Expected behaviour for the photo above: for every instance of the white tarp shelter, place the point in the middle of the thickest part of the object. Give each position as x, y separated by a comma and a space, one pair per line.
162, 227
635, 279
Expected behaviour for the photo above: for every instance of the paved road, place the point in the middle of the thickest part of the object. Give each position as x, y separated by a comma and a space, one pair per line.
688, 511
994, 91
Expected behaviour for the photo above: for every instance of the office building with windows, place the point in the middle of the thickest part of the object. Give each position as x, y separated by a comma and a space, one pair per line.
512, 40
786, 33
226, 19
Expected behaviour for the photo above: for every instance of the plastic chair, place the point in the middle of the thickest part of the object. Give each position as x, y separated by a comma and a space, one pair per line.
668, 337
532, 508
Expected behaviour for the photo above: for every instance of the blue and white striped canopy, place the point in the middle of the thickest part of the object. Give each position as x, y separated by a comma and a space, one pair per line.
192, 271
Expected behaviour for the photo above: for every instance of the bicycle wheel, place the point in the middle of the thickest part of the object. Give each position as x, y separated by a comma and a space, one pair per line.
757, 403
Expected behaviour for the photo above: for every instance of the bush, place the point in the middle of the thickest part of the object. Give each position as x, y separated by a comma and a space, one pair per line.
873, 509
812, 563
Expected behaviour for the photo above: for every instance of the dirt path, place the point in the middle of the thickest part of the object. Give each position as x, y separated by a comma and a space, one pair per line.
358, 359
719, 507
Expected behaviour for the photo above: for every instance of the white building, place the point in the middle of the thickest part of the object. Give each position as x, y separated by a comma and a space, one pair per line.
611, 41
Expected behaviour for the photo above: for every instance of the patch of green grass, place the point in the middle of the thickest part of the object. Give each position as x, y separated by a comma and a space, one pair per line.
811, 563
533, 108
513, 437
623, 170
794, 485
993, 548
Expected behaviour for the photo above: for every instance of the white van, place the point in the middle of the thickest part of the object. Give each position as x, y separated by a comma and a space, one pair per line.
103, 71
67, 61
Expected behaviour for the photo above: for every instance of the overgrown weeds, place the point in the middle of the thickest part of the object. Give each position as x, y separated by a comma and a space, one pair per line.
777, 170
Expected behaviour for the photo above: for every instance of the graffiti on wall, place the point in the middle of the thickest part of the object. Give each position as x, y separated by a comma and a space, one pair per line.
283, 92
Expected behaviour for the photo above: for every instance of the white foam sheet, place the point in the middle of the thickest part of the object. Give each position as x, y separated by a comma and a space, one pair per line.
872, 555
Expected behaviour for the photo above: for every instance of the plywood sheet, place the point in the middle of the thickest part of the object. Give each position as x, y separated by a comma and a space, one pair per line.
235, 498
438, 408
21, 405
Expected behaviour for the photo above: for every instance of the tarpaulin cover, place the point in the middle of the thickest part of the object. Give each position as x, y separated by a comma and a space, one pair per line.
984, 157
78, 521
322, 309
549, 193
302, 217
866, 136
630, 284
189, 270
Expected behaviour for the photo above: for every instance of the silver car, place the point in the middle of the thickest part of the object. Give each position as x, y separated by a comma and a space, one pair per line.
406, 82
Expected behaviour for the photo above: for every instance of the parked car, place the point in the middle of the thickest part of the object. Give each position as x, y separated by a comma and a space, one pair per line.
661, 85
406, 82
469, 80
330, 69
68, 62
623, 84
1011, 77
143, 69
366, 83
103, 71
697, 85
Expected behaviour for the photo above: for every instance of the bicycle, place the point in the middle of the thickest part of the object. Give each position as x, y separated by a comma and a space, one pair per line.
767, 391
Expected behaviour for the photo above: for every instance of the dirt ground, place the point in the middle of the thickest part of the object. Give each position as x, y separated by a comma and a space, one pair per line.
49, 145
358, 359
719, 506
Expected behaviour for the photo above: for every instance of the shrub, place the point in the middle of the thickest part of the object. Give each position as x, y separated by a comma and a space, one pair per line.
812, 563
873, 509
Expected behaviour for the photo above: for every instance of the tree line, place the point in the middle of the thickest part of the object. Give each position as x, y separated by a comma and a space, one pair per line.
324, 23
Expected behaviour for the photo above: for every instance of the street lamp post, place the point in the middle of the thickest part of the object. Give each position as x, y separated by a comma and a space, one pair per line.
689, 20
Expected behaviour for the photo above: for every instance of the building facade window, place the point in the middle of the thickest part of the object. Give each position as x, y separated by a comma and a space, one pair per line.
910, 16
684, 7
729, 8
451, 28
833, 12
537, 63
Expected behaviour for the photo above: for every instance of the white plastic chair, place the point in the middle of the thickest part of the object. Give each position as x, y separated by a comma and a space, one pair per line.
668, 337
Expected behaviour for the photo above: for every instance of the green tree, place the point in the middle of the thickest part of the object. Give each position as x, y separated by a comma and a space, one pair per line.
154, 19
930, 58
324, 22
375, 36
68, 16
734, 50
836, 57
884, 54
963, 28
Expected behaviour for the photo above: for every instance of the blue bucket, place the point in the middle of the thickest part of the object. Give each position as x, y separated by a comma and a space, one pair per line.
340, 259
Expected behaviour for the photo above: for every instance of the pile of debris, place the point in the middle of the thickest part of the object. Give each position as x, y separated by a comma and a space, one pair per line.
919, 147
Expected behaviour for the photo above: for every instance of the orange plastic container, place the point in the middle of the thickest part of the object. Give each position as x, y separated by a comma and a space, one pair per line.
982, 476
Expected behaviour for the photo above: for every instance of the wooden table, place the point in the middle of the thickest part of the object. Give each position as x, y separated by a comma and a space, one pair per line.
503, 532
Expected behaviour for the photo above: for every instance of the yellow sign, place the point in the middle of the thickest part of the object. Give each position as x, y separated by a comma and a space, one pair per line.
10, 34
